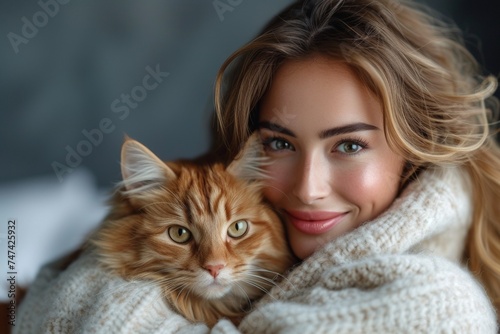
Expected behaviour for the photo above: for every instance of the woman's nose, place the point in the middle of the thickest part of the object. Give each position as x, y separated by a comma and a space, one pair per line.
312, 181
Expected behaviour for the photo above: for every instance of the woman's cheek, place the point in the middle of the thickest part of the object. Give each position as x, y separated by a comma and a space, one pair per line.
373, 188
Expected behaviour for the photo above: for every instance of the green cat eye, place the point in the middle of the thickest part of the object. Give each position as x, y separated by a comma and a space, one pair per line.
179, 234
238, 229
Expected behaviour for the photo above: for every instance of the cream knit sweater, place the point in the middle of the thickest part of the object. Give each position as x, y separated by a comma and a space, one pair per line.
397, 273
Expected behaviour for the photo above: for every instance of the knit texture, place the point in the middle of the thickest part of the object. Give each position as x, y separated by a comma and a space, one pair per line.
397, 273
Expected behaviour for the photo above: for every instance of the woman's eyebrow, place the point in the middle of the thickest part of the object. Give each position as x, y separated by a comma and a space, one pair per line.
354, 127
277, 128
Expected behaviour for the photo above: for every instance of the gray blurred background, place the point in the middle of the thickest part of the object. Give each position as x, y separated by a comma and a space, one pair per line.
81, 59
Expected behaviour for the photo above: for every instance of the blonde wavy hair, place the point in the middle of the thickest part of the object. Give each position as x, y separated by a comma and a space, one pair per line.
438, 109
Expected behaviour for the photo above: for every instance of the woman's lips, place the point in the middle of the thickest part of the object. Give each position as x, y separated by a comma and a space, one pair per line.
314, 222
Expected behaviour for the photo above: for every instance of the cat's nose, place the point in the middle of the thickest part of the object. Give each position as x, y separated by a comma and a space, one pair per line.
214, 269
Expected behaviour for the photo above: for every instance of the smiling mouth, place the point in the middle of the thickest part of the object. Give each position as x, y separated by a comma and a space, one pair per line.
314, 222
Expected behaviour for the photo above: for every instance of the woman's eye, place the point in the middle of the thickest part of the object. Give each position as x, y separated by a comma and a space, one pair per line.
278, 144
238, 229
179, 234
350, 147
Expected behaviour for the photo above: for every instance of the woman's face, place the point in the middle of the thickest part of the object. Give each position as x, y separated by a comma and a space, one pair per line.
331, 168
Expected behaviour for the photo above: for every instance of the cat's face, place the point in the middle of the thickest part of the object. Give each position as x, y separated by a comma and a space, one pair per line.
210, 234
199, 230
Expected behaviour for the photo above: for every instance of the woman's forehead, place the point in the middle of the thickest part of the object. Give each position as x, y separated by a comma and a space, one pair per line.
319, 90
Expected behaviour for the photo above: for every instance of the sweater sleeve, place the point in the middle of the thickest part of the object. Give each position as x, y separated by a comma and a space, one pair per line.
383, 294
86, 299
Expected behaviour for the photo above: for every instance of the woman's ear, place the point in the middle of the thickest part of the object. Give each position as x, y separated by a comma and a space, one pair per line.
248, 163
142, 171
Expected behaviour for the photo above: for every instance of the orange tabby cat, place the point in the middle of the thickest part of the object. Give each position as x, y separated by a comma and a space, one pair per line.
202, 232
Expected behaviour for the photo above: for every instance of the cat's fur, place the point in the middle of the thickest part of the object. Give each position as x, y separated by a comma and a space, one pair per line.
213, 275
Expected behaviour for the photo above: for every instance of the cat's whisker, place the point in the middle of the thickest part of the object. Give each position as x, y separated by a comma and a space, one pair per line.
272, 282
166, 285
180, 293
189, 291
263, 286
172, 289
275, 275
262, 278
172, 286
283, 278
266, 291
181, 286
279, 190
244, 293
255, 283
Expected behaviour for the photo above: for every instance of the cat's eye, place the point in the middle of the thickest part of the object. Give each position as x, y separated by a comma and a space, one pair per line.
179, 234
238, 229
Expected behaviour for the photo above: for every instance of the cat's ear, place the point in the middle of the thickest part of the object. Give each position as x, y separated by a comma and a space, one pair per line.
141, 169
248, 163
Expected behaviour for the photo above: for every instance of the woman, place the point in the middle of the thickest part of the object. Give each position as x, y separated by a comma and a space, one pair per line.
374, 119
357, 102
